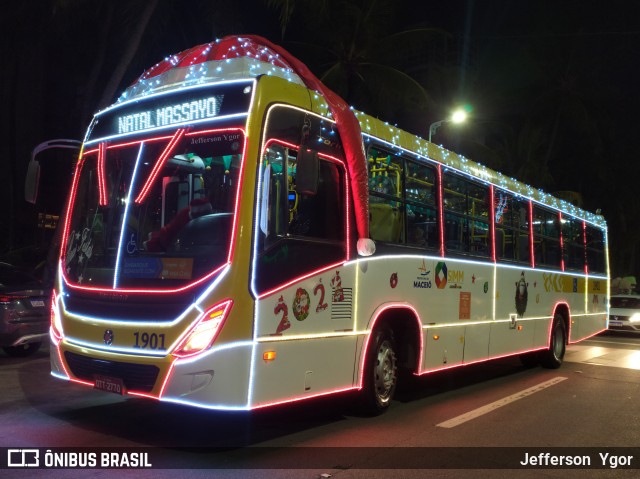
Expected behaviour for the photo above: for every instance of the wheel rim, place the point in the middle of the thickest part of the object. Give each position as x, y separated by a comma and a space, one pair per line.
384, 372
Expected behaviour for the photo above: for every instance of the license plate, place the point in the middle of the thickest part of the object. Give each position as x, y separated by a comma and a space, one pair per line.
37, 303
615, 323
109, 384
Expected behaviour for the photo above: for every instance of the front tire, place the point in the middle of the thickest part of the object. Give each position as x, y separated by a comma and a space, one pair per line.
380, 373
552, 358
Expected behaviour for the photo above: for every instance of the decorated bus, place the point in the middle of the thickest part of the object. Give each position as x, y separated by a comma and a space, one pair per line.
238, 237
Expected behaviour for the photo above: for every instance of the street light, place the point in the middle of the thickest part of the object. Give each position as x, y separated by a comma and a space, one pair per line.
458, 116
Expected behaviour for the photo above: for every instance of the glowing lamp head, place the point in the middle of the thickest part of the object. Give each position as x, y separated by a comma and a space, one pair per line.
204, 333
459, 116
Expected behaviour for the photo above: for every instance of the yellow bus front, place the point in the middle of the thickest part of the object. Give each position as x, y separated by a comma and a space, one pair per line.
152, 297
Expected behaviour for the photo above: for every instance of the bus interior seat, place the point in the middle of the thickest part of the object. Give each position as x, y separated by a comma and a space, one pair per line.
203, 234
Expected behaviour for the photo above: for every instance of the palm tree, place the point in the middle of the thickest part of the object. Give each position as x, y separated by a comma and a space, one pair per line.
355, 50
131, 19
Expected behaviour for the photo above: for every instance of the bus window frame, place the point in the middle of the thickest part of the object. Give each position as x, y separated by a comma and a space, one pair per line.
468, 217
542, 238
522, 231
600, 251
263, 287
399, 203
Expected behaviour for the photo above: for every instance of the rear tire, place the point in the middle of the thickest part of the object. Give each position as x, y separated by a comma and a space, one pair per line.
380, 373
23, 350
552, 358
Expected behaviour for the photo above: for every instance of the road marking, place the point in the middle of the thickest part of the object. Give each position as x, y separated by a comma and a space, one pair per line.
456, 421
603, 356
612, 342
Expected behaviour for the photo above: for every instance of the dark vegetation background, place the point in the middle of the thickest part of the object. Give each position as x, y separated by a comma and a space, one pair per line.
552, 83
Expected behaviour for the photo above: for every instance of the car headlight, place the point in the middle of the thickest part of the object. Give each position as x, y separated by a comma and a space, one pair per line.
635, 318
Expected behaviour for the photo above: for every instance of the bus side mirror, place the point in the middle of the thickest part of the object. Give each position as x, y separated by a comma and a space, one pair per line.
32, 182
307, 168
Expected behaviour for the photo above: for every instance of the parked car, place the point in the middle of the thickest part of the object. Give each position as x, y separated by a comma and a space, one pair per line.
24, 311
624, 312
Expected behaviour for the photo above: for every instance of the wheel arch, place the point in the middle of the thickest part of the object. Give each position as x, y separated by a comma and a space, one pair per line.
406, 326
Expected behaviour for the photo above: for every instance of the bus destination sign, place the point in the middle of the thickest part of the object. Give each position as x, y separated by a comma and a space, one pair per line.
189, 111
183, 107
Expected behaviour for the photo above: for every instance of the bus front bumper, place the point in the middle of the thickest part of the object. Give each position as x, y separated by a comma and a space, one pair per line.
216, 379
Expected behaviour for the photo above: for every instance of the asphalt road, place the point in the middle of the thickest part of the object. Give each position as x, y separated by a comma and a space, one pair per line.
483, 419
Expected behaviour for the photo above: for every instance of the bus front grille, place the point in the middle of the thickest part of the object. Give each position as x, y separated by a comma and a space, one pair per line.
136, 377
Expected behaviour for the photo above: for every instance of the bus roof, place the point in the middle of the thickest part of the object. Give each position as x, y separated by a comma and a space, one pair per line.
236, 57
401, 139
229, 58
395, 137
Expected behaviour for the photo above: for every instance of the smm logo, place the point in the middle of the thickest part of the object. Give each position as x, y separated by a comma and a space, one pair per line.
23, 458
441, 275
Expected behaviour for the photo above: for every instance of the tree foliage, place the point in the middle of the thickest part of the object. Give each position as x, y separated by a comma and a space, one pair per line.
356, 49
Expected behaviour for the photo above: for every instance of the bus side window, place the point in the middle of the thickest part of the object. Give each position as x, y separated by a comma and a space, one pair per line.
421, 205
596, 255
386, 215
572, 243
511, 218
301, 230
466, 215
318, 215
546, 237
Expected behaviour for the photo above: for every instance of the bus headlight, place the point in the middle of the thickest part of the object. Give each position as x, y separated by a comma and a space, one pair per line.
204, 333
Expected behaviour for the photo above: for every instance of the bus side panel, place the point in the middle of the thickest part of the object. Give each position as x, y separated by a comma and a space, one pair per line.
476, 342
584, 326
442, 292
508, 337
520, 292
302, 368
217, 379
319, 305
522, 312
596, 301
446, 296
534, 296
444, 347
597, 297
309, 327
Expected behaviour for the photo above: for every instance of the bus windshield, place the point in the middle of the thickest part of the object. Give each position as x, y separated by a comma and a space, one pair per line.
154, 213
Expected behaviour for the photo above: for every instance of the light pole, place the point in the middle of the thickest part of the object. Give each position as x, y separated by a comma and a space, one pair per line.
458, 116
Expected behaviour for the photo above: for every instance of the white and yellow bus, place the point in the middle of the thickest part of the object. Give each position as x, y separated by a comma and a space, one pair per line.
232, 242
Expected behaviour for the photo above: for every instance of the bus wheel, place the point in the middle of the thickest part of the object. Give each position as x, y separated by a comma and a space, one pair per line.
380, 374
552, 357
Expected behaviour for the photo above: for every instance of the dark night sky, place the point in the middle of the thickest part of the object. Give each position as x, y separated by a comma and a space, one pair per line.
507, 54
